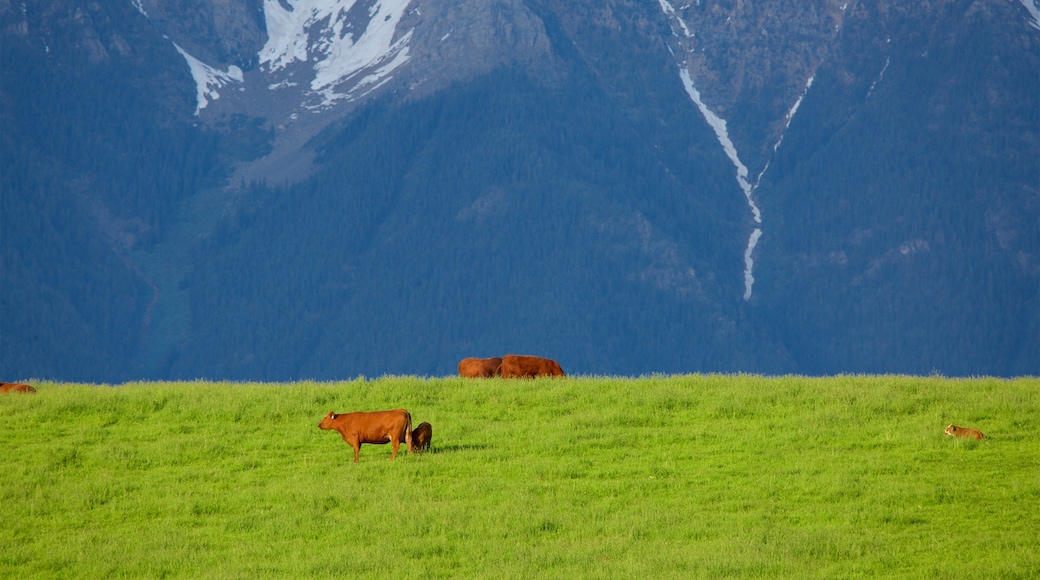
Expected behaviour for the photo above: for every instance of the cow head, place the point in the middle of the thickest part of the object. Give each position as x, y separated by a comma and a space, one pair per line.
326, 423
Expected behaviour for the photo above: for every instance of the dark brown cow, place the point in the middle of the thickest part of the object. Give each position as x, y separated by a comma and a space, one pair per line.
377, 427
514, 365
16, 388
479, 368
421, 437
956, 431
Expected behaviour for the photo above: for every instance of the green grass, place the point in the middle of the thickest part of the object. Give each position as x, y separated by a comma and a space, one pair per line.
686, 476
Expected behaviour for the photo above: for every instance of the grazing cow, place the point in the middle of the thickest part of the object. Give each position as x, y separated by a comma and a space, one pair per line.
16, 388
956, 431
514, 365
479, 368
377, 427
421, 437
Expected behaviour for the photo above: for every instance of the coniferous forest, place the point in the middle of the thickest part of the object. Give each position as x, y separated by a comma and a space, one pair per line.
590, 216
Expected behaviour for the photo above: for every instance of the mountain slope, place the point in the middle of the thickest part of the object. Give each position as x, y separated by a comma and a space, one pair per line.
476, 229
907, 255
97, 148
324, 188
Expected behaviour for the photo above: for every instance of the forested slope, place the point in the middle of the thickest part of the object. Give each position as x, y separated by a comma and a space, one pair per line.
554, 178
908, 202
502, 217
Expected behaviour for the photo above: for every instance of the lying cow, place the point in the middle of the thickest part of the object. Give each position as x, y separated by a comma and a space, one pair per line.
514, 365
16, 388
422, 436
956, 431
377, 427
479, 368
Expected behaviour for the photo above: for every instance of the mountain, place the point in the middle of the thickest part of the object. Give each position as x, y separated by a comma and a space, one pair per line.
326, 188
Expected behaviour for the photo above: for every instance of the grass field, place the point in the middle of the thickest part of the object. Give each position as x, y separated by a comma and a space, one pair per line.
671, 476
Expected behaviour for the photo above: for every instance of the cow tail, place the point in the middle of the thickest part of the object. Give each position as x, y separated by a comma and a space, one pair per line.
408, 430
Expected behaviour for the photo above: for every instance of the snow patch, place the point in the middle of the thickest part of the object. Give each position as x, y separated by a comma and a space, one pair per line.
790, 115
281, 85
669, 10
209, 79
1034, 12
749, 264
881, 75
340, 53
798, 103
718, 124
140, 8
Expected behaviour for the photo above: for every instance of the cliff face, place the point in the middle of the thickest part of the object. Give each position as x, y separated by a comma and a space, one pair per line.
271, 188
753, 61
216, 32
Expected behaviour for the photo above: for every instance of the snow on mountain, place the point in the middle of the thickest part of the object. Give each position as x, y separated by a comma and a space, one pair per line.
340, 39
1034, 12
692, 59
749, 264
209, 79
718, 124
794, 109
669, 11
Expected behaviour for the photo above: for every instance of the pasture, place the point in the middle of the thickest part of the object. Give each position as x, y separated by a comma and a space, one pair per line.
583, 477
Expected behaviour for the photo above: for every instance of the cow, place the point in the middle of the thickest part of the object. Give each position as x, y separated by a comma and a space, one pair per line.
955, 431
514, 365
421, 437
377, 427
16, 388
479, 368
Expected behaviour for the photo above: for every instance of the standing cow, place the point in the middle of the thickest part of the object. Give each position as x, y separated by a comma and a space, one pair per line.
378, 427
522, 366
16, 388
479, 368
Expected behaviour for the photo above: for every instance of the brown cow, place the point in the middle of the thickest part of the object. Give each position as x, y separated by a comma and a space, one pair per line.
479, 368
377, 427
514, 365
421, 437
16, 388
956, 431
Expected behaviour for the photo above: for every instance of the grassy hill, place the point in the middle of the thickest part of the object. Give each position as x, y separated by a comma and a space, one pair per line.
660, 476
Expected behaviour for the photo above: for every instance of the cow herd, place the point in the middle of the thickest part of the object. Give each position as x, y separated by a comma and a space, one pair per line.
511, 366
395, 427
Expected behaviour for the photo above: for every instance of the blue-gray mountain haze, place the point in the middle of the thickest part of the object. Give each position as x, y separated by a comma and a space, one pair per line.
288, 189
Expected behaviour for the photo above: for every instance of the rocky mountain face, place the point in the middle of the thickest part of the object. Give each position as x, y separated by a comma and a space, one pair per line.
280, 189
753, 62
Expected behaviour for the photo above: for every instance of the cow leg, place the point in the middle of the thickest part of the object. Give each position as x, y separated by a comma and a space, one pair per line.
357, 449
395, 443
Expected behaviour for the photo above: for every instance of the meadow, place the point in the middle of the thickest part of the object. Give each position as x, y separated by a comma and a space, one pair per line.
584, 477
